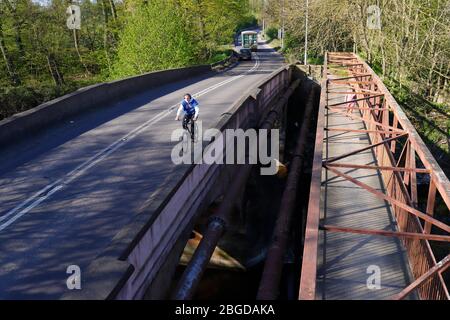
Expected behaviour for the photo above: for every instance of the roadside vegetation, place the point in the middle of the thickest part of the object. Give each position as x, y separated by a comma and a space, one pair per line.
411, 51
41, 59
271, 36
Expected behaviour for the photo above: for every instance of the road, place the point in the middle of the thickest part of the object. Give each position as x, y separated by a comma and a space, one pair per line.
68, 190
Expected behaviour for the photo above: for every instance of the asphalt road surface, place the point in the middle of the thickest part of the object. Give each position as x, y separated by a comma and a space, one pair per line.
65, 192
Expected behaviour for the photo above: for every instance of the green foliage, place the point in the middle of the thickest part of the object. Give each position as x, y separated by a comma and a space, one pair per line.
411, 52
220, 55
154, 38
272, 33
431, 120
42, 60
247, 22
167, 34
317, 60
214, 22
17, 99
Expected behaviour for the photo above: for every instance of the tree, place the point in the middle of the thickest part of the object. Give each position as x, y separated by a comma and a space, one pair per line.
10, 66
40, 58
154, 38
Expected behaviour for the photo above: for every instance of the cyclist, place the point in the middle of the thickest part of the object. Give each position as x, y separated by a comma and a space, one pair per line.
351, 103
190, 107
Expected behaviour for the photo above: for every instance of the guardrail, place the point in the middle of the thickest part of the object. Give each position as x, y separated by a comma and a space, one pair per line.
401, 156
311, 238
131, 263
404, 188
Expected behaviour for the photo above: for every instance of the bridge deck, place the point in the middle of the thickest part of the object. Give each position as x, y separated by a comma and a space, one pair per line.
344, 258
85, 187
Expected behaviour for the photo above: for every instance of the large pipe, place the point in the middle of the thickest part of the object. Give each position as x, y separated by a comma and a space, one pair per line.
269, 285
218, 223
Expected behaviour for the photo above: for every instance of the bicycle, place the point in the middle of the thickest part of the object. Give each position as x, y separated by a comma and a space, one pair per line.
191, 128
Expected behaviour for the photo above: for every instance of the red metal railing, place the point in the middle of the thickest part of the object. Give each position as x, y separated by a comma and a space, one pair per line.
398, 149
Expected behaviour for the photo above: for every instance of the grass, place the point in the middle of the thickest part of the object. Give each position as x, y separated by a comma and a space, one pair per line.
338, 71
220, 55
275, 44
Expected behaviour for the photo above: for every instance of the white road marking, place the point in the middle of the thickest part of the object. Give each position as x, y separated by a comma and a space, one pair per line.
54, 187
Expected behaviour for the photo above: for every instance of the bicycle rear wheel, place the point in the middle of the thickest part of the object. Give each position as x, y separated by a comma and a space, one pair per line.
192, 131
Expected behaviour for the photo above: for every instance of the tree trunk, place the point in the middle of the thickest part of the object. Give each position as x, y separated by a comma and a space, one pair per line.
383, 60
10, 68
56, 74
75, 40
113, 9
105, 34
50, 69
202, 26
17, 27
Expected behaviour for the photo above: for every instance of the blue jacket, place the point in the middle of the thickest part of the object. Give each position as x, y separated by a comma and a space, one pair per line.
189, 108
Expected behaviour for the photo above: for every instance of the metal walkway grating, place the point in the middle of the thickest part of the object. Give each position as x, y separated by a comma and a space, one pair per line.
344, 258
365, 215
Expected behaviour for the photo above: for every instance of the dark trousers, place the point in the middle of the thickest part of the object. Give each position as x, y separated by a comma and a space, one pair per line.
186, 119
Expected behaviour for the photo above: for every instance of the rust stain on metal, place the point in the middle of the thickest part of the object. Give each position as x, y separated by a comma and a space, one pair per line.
386, 124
